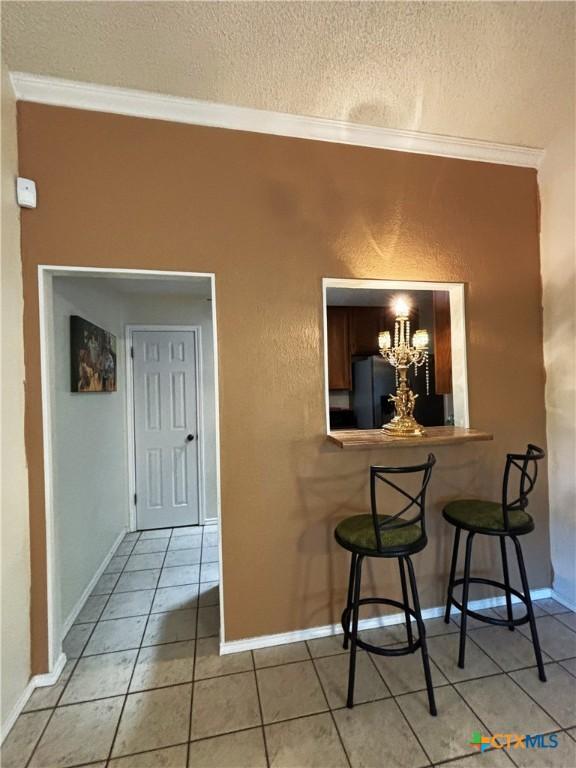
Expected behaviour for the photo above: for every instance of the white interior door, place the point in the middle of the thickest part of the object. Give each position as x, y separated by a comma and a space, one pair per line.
165, 428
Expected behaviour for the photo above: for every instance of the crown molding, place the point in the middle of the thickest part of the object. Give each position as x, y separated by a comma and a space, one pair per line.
125, 101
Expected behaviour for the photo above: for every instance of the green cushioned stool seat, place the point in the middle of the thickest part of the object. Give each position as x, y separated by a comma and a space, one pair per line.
397, 535
477, 515
506, 521
357, 532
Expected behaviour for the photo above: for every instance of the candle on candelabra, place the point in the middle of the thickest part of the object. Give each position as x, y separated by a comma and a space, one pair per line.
384, 340
420, 339
401, 356
401, 308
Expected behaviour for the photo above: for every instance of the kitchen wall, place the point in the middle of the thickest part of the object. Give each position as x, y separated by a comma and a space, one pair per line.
89, 446
558, 239
15, 542
271, 216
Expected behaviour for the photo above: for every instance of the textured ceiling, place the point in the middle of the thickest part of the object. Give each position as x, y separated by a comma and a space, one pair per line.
495, 71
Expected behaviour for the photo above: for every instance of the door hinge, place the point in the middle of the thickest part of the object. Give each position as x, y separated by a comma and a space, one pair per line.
132, 352
135, 497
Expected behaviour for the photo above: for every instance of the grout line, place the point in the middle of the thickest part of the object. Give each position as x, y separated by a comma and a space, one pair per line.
299, 717
273, 666
151, 551
49, 720
130, 591
263, 730
318, 658
117, 695
487, 654
293, 718
331, 712
86, 765
196, 638
467, 757
152, 645
466, 702
509, 676
413, 730
447, 762
566, 668
469, 705
113, 742
330, 655
234, 674
254, 727
394, 697
526, 627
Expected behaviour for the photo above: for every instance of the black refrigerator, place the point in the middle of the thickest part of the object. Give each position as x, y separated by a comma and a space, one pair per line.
373, 381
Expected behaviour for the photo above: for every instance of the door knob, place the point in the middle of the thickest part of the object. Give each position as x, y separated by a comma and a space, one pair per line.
189, 438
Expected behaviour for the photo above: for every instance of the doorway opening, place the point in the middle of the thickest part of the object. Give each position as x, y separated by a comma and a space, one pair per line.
131, 443
166, 425
360, 382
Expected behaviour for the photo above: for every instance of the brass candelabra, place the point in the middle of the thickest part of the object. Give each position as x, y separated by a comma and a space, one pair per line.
401, 355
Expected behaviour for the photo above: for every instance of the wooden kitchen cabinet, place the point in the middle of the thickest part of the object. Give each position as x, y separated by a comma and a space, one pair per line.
353, 332
365, 325
339, 355
442, 343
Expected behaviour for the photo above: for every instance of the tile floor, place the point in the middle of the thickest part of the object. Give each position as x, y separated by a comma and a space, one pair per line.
144, 686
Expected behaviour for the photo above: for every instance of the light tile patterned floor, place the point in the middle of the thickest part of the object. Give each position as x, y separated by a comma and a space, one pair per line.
144, 686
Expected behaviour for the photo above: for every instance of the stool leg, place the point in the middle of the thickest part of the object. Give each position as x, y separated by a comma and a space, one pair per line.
506, 582
354, 633
422, 634
452, 575
405, 601
346, 621
466, 587
533, 628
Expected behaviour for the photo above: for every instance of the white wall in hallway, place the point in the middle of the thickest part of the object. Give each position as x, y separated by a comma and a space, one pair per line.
15, 551
558, 256
89, 443
162, 309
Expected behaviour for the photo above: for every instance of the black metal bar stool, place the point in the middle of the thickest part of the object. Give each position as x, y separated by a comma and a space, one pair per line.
377, 535
507, 519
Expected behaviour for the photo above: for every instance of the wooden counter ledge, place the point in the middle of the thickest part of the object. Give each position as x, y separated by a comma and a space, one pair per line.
376, 438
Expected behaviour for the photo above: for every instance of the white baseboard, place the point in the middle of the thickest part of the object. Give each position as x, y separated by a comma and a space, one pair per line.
266, 641
562, 600
87, 592
50, 678
16, 709
38, 681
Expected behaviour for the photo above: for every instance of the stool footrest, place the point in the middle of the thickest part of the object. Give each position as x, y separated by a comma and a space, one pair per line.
379, 650
382, 651
489, 619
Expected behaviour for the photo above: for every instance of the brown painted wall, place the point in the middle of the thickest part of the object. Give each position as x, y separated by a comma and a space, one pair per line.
271, 217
